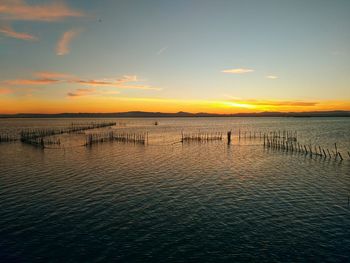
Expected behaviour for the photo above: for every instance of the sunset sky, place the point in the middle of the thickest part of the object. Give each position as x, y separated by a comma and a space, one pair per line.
186, 55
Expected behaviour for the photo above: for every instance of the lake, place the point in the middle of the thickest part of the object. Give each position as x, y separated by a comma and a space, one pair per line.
167, 201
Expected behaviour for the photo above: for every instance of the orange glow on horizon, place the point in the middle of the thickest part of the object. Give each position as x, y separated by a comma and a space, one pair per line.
90, 104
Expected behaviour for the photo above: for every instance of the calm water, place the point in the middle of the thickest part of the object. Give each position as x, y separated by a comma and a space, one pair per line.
173, 202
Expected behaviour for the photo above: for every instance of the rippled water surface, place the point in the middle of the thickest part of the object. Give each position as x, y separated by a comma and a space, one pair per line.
173, 202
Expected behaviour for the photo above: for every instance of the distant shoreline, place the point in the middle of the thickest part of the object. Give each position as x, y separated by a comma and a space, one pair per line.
141, 114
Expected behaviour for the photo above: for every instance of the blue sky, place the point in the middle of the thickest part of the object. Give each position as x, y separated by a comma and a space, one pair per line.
180, 49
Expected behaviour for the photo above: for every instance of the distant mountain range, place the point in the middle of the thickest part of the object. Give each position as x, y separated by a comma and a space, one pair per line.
142, 114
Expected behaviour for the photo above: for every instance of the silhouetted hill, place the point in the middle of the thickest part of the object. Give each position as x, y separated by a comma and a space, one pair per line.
142, 114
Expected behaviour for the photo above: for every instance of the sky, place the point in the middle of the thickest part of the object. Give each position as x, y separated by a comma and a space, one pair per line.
222, 56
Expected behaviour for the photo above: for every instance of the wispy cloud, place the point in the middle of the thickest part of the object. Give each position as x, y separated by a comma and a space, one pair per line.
237, 71
52, 75
160, 51
109, 82
288, 103
4, 91
47, 78
24, 82
128, 78
87, 92
81, 92
21, 10
42, 78
10, 32
63, 43
116, 84
94, 82
271, 77
276, 103
124, 82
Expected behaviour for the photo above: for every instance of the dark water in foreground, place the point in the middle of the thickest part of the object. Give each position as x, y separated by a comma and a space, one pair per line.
173, 202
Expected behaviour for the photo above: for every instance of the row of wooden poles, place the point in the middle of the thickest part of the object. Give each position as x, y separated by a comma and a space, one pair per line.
294, 146
286, 134
201, 136
42, 137
43, 141
37, 133
5, 137
212, 136
136, 138
280, 140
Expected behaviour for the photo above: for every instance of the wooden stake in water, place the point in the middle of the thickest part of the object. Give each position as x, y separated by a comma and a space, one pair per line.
228, 137
341, 157
325, 155
336, 149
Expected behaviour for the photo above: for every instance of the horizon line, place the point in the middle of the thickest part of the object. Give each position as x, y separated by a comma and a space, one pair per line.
330, 113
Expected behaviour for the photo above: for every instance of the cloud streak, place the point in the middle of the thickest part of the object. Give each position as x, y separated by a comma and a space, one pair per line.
48, 78
160, 51
48, 12
24, 82
237, 71
94, 82
87, 92
288, 103
271, 77
10, 32
81, 92
63, 44
4, 91
276, 103
128, 78
52, 75
115, 84
121, 83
